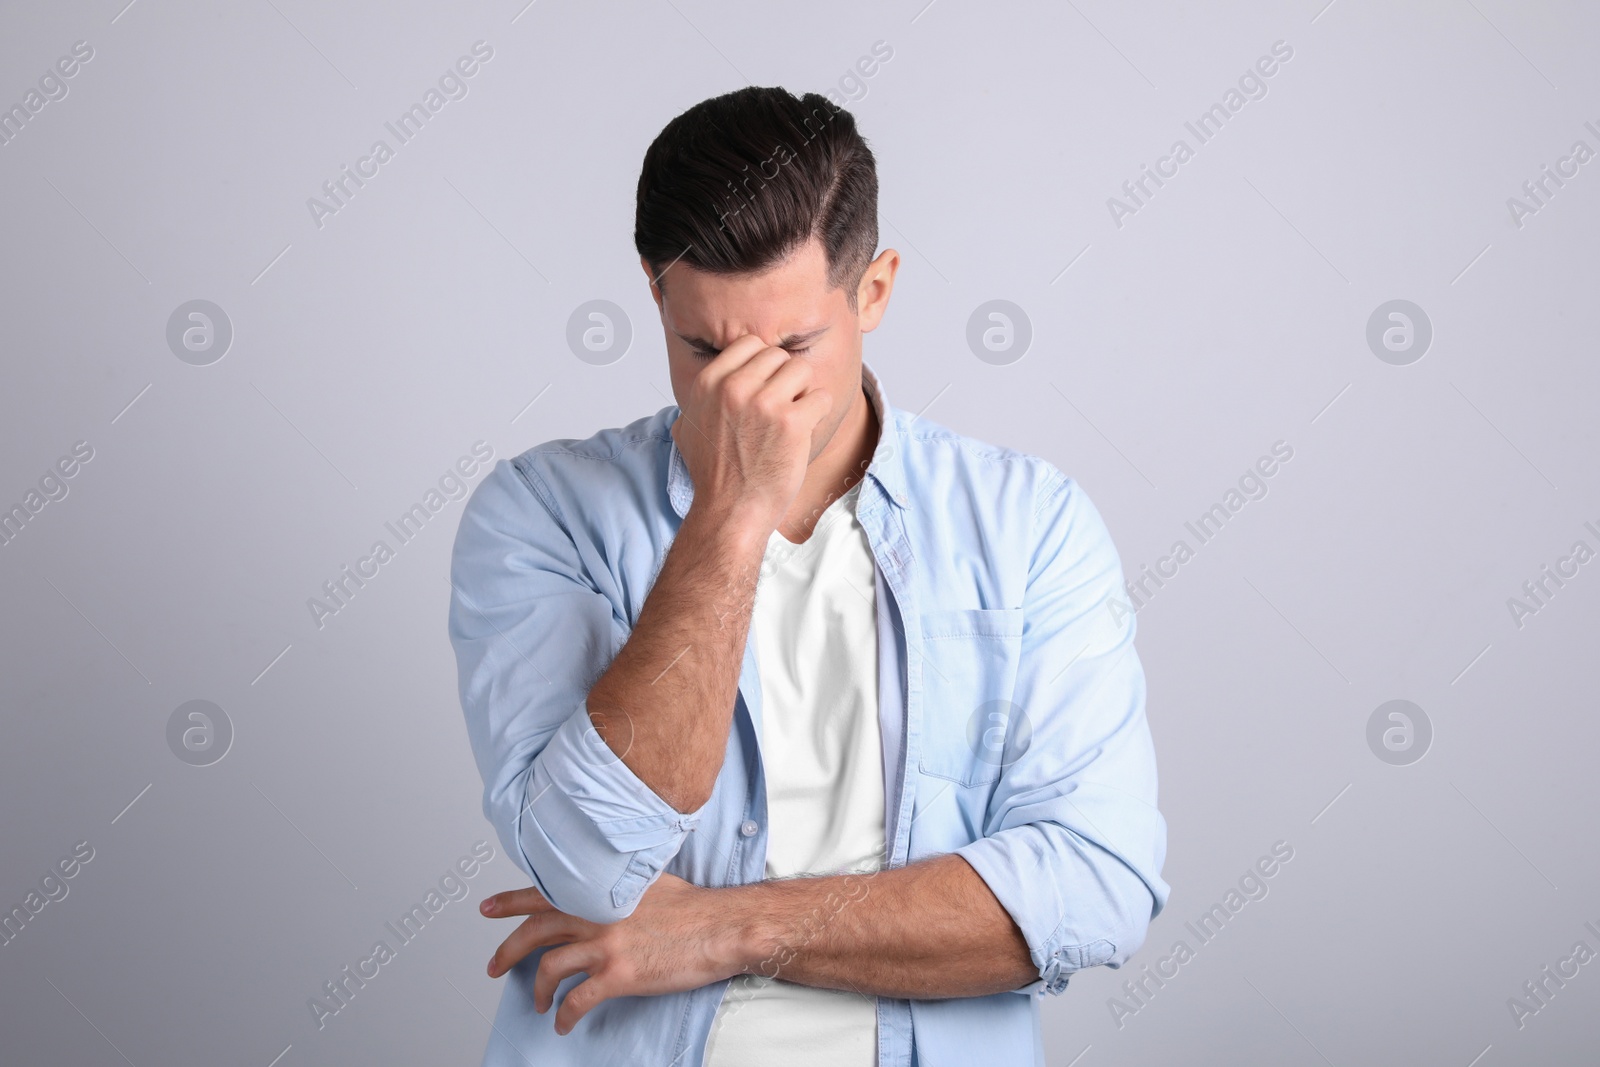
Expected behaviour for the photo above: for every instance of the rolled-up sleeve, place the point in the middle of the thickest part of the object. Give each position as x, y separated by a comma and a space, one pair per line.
1073, 843
531, 634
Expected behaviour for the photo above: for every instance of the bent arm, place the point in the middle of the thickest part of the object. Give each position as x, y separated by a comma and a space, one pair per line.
665, 705
929, 930
1066, 872
577, 778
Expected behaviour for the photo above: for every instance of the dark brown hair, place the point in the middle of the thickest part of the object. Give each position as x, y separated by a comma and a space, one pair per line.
738, 182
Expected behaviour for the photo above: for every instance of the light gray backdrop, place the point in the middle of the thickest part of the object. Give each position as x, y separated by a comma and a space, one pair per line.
1170, 343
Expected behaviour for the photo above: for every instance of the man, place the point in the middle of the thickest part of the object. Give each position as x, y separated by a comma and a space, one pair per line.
809, 719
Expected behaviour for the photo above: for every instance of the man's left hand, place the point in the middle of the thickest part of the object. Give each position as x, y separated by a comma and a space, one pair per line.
680, 937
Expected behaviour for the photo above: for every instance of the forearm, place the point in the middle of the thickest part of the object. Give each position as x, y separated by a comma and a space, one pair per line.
925, 931
666, 702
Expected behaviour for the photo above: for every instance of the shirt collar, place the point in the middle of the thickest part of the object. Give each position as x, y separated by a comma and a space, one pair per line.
886, 467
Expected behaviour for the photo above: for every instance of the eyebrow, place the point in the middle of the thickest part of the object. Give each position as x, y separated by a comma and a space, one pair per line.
792, 340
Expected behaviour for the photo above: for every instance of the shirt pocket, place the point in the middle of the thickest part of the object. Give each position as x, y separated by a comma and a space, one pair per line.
971, 730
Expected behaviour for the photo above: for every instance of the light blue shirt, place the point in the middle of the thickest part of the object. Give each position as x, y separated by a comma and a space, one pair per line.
1010, 696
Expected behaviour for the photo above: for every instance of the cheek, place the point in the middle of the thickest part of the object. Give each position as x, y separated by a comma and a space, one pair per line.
843, 372
681, 369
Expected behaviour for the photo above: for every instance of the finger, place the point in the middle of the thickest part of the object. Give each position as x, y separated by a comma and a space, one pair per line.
752, 375
792, 379
736, 354
580, 1000
730, 359
515, 902
553, 928
559, 964
813, 407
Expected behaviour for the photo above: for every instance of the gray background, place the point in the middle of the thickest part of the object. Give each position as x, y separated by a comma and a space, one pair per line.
1167, 355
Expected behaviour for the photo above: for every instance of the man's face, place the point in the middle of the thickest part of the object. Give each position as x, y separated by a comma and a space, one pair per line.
790, 306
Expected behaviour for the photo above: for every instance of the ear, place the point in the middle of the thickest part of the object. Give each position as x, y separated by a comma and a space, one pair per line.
877, 283
650, 276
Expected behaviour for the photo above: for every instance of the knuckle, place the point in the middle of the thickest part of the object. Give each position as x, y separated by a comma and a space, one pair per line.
731, 394
623, 971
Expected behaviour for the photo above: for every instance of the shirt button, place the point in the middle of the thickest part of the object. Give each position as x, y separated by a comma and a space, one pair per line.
748, 828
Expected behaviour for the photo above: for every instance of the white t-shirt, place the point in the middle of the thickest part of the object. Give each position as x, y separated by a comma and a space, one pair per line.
816, 638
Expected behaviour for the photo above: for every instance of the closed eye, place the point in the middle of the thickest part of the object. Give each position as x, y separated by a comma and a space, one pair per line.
708, 355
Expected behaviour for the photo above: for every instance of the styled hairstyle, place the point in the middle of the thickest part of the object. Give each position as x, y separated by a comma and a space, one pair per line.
738, 182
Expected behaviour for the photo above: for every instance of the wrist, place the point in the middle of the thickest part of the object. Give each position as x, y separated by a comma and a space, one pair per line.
741, 529
750, 943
